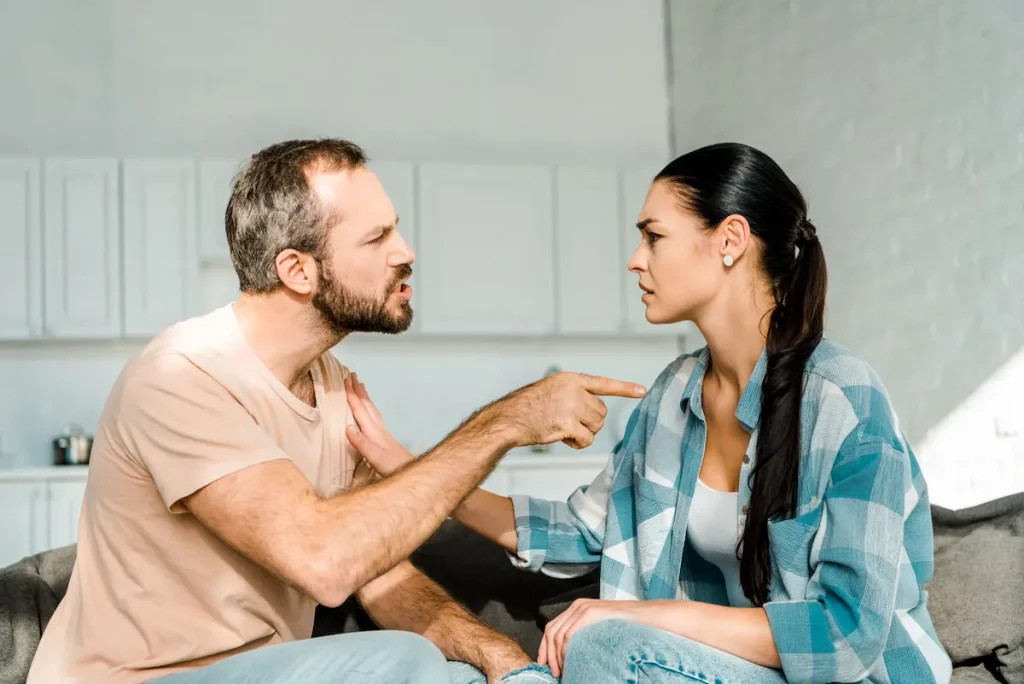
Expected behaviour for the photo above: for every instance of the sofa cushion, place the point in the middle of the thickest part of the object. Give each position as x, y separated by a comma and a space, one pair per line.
976, 597
29, 593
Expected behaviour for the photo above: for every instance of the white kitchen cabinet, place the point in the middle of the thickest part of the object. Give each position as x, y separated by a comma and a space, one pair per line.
64, 502
23, 510
215, 177
590, 266
635, 184
160, 256
217, 287
21, 234
82, 248
399, 181
486, 239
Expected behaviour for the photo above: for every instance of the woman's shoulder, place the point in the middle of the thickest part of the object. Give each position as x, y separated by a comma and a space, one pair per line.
839, 376
678, 372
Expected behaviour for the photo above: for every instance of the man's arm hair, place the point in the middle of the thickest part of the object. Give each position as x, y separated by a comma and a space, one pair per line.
329, 548
406, 599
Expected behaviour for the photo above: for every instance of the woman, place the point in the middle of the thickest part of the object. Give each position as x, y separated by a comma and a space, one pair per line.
763, 519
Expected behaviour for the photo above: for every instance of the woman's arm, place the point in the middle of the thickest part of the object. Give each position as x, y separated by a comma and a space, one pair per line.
491, 516
743, 632
838, 631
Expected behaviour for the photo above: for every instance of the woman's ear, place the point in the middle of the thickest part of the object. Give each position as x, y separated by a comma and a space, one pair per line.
734, 234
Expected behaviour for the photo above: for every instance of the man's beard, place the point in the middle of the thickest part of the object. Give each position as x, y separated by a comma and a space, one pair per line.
346, 311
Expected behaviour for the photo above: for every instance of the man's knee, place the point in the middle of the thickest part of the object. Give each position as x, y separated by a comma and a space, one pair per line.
417, 659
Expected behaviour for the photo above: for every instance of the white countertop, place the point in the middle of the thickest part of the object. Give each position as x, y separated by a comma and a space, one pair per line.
517, 459
68, 472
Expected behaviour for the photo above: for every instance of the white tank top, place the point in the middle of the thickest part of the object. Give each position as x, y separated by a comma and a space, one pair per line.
713, 533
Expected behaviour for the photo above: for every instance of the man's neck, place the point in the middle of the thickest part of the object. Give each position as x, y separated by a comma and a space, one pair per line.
283, 335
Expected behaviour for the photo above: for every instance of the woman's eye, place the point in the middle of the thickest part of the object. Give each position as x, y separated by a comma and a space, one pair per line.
652, 237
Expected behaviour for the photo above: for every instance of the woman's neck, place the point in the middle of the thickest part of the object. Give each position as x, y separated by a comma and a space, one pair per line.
736, 333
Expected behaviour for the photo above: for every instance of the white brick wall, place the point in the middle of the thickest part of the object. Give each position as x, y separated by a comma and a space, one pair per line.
903, 122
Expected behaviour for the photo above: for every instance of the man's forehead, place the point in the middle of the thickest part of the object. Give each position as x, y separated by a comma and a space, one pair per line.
354, 194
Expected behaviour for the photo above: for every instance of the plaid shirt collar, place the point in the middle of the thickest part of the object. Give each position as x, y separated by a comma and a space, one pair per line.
748, 411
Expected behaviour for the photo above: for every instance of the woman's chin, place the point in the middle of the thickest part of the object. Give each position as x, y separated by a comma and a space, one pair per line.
655, 318
660, 317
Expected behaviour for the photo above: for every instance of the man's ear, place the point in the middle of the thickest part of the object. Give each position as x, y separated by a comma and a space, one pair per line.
297, 271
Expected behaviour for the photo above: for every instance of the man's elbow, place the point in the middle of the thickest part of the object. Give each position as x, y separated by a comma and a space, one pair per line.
325, 583
331, 597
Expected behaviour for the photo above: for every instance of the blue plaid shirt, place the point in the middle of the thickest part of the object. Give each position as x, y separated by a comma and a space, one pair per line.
847, 600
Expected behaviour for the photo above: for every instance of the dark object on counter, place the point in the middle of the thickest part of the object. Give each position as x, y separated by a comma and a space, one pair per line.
72, 448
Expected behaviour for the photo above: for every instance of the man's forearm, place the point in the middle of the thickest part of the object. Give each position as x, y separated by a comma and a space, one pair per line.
406, 599
368, 531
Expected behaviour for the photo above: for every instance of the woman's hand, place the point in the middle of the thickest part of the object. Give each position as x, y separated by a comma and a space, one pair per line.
368, 435
581, 613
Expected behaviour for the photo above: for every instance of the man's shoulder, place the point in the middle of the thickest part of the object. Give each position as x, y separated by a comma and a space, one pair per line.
332, 364
177, 358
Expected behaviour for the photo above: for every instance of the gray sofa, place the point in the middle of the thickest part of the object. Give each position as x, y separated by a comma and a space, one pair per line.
976, 596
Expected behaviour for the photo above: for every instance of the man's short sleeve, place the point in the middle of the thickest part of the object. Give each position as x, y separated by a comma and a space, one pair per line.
187, 429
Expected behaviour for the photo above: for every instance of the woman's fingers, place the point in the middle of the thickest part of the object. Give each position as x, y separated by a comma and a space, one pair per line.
360, 413
364, 395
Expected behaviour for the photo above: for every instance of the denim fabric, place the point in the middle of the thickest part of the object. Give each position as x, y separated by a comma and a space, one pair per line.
627, 653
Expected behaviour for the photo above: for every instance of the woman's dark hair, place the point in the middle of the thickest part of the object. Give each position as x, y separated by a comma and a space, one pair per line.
715, 182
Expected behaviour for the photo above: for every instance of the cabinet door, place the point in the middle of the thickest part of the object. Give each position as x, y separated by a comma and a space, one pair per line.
486, 247
635, 184
218, 286
65, 503
590, 265
82, 247
160, 259
21, 234
24, 529
215, 177
399, 181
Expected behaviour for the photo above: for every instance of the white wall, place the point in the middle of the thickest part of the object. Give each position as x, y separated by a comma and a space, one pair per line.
903, 122
444, 80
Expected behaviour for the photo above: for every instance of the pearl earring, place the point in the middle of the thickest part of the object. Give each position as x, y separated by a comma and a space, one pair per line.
728, 260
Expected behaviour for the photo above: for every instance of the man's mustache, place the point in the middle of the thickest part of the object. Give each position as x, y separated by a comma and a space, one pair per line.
401, 273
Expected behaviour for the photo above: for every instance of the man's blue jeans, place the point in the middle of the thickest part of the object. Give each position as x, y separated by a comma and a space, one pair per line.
378, 657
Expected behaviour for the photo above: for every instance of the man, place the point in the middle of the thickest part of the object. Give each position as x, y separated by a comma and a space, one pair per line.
225, 499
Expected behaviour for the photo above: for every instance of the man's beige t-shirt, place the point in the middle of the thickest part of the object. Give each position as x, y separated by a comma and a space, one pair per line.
153, 591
